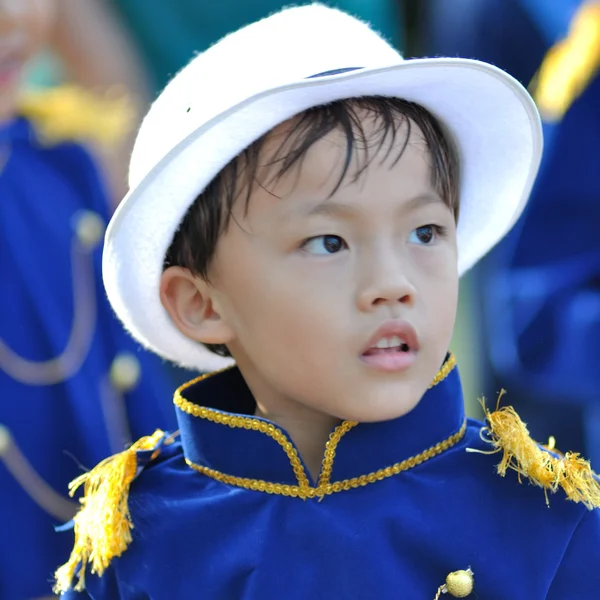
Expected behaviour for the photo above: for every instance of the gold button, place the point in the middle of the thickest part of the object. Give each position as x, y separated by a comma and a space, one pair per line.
89, 228
5, 440
125, 372
460, 583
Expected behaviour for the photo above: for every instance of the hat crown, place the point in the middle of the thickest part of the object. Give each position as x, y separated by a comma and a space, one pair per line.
286, 47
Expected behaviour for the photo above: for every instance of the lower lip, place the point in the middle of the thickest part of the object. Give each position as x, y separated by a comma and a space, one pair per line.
390, 362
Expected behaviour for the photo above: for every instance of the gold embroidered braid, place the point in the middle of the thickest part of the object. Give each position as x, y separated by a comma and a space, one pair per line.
81, 335
344, 427
306, 492
330, 448
190, 383
303, 489
444, 371
236, 421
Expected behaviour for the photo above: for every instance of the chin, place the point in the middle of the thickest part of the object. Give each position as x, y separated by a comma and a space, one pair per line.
378, 412
386, 402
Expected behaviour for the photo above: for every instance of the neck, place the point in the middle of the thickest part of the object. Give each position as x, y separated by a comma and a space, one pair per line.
308, 429
222, 441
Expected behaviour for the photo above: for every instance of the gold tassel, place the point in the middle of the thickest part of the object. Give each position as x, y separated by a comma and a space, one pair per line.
509, 435
570, 64
69, 112
103, 524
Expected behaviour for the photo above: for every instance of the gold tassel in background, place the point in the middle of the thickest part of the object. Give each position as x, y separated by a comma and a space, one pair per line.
509, 435
103, 524
570, 64
69, 112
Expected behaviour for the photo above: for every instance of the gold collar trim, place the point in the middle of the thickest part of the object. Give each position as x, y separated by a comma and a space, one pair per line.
303, 489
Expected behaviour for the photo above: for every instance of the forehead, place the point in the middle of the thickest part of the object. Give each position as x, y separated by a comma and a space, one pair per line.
28, 8
339, 166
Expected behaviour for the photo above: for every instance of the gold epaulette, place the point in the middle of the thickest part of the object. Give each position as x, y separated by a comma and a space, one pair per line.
570, 64
103, 524
542, 466
69, 112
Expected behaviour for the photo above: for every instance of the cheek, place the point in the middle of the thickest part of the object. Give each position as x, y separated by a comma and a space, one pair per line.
272, 311
443, 307
280, 302
439, 291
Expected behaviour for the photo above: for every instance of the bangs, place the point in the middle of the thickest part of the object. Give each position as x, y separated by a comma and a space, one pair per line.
392, 122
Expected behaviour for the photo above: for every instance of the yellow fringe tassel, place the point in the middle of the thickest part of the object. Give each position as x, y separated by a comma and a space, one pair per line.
570, 64
103, 524
509, 435
69, 112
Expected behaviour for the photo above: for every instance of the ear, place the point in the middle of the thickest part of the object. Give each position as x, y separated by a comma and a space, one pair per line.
187, 299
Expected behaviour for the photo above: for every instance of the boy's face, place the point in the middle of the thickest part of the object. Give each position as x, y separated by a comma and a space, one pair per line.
302, 283
24, 27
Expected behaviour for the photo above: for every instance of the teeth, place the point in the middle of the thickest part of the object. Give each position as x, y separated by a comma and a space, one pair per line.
390, 342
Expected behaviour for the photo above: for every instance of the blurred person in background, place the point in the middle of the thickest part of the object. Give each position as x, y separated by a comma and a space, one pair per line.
168, 34
74, 387
89, 46
101, 42
539, 290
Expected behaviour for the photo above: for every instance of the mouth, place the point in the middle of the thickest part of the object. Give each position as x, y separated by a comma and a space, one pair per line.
10, 67
393, 347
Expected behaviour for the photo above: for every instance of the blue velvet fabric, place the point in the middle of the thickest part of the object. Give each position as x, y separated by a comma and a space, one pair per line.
73, 424
512, 34
196, 537
542, 290
544, 299
501, 32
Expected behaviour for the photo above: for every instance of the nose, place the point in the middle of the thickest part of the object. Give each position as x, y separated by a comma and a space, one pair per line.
386, 284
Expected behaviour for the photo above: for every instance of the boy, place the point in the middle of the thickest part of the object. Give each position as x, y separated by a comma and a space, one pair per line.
73, 386
293, 204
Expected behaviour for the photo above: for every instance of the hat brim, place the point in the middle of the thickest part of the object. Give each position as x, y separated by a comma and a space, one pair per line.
493, 120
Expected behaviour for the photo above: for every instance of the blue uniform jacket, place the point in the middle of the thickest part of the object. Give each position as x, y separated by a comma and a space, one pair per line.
230, 512
60, 410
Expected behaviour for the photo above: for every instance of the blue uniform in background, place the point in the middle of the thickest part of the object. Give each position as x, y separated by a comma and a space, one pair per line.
74, 387
539, 289
543, 296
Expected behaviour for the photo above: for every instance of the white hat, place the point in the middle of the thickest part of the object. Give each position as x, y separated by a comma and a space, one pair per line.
267, 72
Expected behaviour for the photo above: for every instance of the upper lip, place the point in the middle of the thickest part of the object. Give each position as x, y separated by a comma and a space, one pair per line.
401, 329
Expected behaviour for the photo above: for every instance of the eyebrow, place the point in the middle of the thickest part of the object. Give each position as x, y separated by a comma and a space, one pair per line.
339, 209
424, 199
333, 209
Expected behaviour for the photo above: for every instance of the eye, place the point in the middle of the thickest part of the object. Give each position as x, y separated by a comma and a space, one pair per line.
426, 234
324, 244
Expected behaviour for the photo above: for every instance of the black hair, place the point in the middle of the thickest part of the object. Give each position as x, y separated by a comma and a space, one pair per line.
194, 244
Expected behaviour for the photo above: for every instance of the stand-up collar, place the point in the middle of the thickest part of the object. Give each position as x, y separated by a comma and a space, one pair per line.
222, 439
